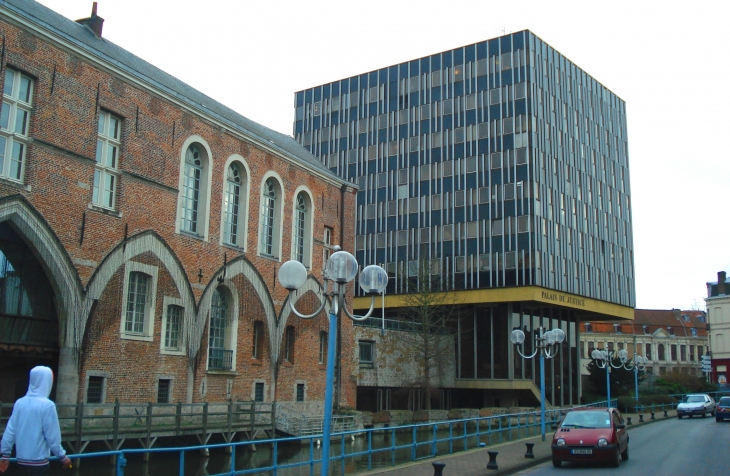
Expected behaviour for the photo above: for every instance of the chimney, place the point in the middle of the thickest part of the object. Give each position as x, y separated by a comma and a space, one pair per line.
721, 277
95, 22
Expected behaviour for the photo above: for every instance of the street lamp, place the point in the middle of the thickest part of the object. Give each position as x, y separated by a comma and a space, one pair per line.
605, 358
639, 364
548, 344
341, 268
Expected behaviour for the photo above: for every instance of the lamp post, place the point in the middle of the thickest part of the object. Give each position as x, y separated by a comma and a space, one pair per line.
548, 344
639, 364
341, 268
604, 359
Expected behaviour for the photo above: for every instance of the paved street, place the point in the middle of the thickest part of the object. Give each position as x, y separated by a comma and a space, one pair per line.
673, 447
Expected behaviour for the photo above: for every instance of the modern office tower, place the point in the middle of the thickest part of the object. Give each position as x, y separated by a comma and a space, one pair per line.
502, 168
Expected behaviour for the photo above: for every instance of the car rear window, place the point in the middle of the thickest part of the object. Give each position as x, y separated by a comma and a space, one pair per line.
725, 401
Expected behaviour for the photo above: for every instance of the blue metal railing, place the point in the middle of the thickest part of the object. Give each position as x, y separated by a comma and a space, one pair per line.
426, 440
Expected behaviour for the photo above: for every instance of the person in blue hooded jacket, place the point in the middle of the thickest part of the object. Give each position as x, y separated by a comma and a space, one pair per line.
33, 428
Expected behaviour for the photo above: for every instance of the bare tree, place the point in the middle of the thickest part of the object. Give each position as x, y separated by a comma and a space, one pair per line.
429, 315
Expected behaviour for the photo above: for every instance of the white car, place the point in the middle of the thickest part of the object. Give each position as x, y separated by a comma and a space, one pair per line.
696, 404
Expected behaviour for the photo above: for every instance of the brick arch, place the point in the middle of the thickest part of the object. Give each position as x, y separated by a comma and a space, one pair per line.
145, 242
312, 288
53, 258
238, 266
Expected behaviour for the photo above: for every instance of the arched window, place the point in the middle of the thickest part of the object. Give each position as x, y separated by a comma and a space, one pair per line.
232, 206
302, 229
660, 351
221, 338
270, 230
191, 189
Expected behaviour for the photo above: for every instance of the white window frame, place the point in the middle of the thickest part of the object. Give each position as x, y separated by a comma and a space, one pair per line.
168, 301
106, 167
243, 204
11, 104
150, 307
302, 225
203, 208
275, 233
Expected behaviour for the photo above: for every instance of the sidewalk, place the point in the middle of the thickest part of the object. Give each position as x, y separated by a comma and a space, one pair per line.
510, 458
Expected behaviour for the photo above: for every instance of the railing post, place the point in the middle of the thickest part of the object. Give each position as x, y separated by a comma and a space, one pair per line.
146, 456
178, 418
79, 424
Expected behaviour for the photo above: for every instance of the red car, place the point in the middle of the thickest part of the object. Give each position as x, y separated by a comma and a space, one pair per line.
591, 434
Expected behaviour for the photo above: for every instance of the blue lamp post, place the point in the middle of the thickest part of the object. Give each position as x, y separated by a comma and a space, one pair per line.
341, 268
639, 365
604, 359
548, 344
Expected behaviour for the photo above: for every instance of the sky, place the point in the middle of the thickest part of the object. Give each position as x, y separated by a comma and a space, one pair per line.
667, 59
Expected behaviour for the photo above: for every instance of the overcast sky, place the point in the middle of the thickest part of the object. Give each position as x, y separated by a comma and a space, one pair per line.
668, 60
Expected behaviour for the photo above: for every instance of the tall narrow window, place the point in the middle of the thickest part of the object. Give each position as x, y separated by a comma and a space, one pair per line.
137, 296
289, 345
322, 347
268, 212
14, 122
231, 205
220, 358
95, 390
300, 220
258, 339
107, 155
300, 392
191, 189
327, 245
367, 354
173, 327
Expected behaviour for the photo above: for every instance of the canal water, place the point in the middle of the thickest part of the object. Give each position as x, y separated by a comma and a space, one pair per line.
219, 461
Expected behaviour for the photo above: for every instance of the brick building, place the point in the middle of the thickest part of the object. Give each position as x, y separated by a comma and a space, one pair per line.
141, 228
674, 341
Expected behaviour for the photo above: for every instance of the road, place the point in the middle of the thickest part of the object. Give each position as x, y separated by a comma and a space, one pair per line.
674, 447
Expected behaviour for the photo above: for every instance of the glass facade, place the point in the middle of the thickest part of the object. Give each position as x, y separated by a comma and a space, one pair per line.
499, 164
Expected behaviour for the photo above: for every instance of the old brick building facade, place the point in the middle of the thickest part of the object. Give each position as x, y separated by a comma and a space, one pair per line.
141, 228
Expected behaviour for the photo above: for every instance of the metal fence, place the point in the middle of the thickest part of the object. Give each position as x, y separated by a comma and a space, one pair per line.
383, 446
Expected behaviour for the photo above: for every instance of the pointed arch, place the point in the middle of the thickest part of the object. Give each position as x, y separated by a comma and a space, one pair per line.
144, 242
244, 267
64, 278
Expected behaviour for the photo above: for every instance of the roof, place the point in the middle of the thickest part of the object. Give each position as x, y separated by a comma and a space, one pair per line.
107, 52
648, 321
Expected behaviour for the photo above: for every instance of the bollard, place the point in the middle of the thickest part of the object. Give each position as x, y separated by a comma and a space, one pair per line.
529, 453
438, 468
629, 420
652, 416
492, 460
665, 414
641, 418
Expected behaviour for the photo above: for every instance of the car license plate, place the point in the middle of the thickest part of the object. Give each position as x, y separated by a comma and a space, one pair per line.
581, 452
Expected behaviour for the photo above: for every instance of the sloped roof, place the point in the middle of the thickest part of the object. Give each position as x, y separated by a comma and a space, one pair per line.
648, 321
83, 38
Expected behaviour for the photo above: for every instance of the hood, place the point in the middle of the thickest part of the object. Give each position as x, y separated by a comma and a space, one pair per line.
585, 436
690, 405
41, 382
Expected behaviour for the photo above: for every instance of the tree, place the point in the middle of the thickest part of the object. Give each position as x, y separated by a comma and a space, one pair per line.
622, 380
428, 316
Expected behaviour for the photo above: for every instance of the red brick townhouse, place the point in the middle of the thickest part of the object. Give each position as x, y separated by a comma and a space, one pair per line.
142, 225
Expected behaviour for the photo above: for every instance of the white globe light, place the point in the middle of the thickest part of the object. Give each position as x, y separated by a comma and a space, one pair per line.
373, 279
559, 335
292, 275
596, 354
604, 354
341, 267
517, 336
550, 337
623, 355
